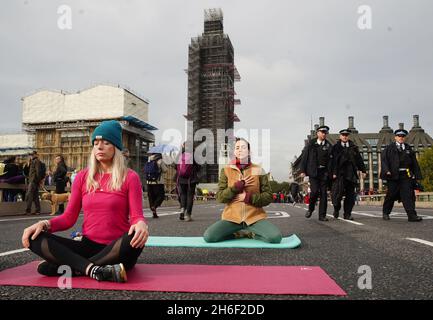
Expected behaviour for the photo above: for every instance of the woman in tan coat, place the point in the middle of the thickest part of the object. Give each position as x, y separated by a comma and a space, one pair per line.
244, 188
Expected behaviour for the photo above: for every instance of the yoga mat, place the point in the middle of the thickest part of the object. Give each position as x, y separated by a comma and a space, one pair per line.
198, 242
291, 280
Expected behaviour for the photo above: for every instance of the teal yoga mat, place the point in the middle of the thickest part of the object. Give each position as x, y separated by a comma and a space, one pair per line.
198, 242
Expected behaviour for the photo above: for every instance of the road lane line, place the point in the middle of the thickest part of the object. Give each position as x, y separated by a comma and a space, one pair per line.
349, 221
428, 243
12, 252
366, 214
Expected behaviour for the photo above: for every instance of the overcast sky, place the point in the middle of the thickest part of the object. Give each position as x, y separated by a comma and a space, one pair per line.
298, 60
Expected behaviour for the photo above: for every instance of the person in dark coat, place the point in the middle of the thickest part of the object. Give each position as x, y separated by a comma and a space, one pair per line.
59, 177
34, 180
187, 181
316, 163
346, 162
401, 171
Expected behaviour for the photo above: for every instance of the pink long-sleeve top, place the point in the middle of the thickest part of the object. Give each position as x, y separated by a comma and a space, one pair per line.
107, 214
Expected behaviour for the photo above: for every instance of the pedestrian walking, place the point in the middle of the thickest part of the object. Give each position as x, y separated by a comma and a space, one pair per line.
401, 171
316, 164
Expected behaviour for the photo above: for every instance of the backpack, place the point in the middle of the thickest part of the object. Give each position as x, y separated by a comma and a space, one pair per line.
152, 171
185, 166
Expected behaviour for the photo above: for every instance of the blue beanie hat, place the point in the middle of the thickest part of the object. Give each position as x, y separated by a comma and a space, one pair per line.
111, 131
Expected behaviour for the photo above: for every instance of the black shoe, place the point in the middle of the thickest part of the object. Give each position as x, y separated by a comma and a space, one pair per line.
415, 219
323, 219
386, 217
113, 273
48, 269
348, 217
182, 214
154, 213
308, 214
336, 214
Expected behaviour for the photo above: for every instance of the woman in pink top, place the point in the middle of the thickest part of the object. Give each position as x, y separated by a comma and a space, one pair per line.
114, 228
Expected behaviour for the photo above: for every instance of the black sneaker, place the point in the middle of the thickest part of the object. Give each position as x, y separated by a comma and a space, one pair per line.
415, 219
323, 219
113, 273
348, 217
386, 217
336, 214
308, 214
48, 269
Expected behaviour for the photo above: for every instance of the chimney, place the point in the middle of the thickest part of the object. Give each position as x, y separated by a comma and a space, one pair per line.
416, 121
401, 126
322, 121
385, 122
351, 122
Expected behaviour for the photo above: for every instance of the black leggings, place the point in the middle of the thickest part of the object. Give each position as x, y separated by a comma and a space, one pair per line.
80, 254
187, 191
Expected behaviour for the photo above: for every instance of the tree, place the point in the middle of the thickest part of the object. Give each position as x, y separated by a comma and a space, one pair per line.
426, 164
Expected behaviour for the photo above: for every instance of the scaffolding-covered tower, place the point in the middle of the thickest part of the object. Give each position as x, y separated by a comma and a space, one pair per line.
211, 78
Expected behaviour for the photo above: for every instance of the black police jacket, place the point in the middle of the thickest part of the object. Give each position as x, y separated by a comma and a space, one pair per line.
391, 162
347, 162
309, 158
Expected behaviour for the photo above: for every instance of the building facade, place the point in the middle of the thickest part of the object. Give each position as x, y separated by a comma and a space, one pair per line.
63, 123
211, 94
371, 146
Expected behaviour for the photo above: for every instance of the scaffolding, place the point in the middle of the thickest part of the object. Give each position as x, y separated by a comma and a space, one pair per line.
211, 78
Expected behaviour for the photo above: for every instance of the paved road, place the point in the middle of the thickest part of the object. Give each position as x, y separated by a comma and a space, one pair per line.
401, 268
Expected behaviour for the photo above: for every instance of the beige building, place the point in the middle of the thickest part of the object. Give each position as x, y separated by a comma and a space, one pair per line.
62, 123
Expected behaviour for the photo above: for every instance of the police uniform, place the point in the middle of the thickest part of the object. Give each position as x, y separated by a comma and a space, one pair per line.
401, 170
316, 164
346, 163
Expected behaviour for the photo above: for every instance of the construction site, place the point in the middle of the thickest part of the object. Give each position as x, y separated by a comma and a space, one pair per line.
211, 87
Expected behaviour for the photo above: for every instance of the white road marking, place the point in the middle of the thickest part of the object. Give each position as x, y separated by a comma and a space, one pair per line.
421, 241
12, 252
349, 221
278, 214
29, 218
364, 214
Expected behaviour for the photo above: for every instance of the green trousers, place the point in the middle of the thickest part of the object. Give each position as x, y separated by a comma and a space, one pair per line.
224, 230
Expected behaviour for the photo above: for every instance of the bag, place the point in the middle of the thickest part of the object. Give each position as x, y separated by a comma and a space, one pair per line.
152, 171
2, 169
42, 170
184, 168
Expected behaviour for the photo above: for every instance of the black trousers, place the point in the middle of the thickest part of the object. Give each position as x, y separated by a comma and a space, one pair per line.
32, 195
79, 254
61, 188
156, 195
349, 197
187, 191
319, 190
401, 189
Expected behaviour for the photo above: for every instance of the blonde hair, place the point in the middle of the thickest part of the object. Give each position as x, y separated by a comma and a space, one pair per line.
118, 173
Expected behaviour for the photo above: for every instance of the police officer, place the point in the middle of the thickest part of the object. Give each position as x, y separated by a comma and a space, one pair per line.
316, 164
401, 170
346, 162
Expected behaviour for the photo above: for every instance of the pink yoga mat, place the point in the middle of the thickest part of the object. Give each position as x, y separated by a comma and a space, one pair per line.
294, 280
